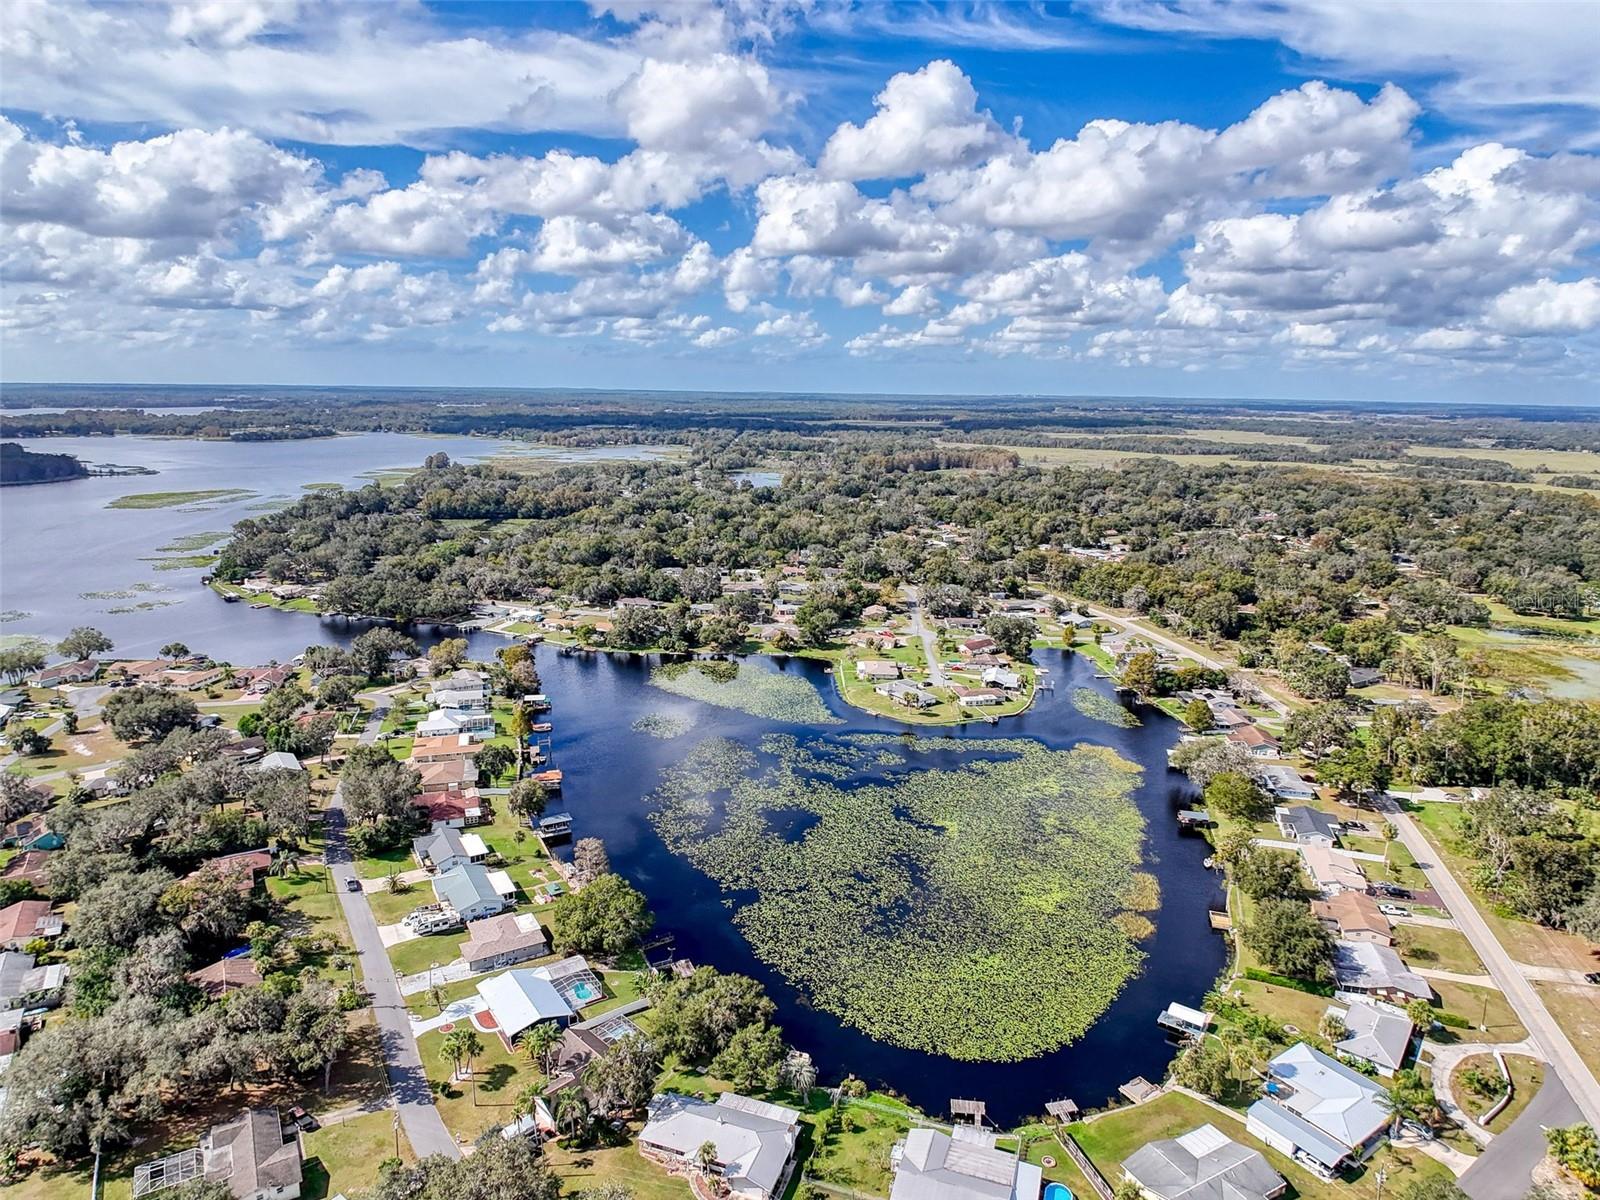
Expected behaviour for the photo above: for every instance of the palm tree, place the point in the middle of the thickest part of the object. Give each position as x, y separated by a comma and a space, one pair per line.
452, 1051
570, 1108
471, 1047
540, 1041
706, 1157
1410, 1098
521, 725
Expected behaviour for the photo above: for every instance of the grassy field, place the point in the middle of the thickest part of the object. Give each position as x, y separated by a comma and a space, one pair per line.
620, 1165
1527, 1077
1566, 462
1481, 1006
176, 499
1437, 949
344, 1157
1576, 1008
472, 1106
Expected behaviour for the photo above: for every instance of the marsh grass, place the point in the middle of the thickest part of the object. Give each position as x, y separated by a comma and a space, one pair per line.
775, 695
1102, 708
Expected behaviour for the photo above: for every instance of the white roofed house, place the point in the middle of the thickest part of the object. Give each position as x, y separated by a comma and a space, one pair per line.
442, 722
520, 999
877, 669
468, 891
964, 1164
1373, 969
1319, 1111
1287, 784
1203, 1164
25, 984
754, 1141
1000, 677
442, 850
1332, 871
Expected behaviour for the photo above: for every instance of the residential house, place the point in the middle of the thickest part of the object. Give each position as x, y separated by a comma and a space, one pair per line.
874, 612
449, 722
1008, 681
26, 920
277, 760
1318, 1110
981, 644
978, 697
245, 749
139, 670
258, 681
226, 975
463, 682
1376, 1034
32, 866
246, 867
1372, 969
251, 1156
468, 891
1228, 716
443, 749
1354, 917
81, 671
194, 680
458, 699
1203, 1164
25, 984
569, 1058
964, 1164
1255, 739
31, 833
442, 850
459, 809
908, 694
877, 669
522, 998
1361, 677
754, 1141
1287, 784
1332, 871
503, 941
1304, 824
451, 775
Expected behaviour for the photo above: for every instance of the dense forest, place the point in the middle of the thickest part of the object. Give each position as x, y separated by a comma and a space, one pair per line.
18, 465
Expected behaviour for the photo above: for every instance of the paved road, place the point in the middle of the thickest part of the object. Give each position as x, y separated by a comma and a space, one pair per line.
407, 1081
1505, 1169
930, 640
1553, 1043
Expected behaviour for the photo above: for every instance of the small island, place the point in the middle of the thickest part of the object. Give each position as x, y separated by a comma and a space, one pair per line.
19, 465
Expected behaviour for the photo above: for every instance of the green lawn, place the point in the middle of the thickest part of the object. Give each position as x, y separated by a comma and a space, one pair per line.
344, 1157
1437, 949
499, 1075
388, 908
588, 1169
1479, 1005
857, 1156
378, 866
412, 956
1111, 1139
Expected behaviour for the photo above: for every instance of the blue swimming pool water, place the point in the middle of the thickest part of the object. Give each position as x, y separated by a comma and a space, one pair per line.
585, 992
1057, 1191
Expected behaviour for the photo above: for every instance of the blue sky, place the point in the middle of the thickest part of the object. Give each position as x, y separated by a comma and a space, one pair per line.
1332, 199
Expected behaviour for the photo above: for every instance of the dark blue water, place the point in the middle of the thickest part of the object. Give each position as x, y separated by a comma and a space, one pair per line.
609, 770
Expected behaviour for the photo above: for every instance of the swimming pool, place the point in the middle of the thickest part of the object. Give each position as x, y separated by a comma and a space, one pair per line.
587, 993
1057, 1191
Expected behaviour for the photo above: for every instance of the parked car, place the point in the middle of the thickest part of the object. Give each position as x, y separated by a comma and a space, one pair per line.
1593, 976
352, 884
1392, 910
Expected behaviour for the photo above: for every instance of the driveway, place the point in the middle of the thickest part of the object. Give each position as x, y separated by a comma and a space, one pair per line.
407, 1081
930, 641
1551, 1040
1506, 1167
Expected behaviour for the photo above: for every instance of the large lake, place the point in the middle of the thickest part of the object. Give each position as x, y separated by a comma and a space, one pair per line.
58, 541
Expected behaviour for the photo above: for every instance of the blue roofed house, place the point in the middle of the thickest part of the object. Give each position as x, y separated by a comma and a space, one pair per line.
1319, 1111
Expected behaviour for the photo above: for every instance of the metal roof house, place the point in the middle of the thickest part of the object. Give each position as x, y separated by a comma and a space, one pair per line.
1371, 969
1332, 871
1287, 784
468, 891
520, 999
1318, 1107
1203, 1164
754, 1140
963, 1164
441, 850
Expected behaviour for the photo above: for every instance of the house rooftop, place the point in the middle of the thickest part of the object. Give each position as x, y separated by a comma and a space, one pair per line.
1343, 1104
1368, 966
963, 1164
1377, 1033
465, 887
1305, 823
1353, 913
754, 1140
1203, 1164
249, 1154
521, 998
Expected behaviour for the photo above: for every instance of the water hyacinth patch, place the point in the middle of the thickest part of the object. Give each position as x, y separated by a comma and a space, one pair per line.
977, 905
775, 695
662, 725
1102, 708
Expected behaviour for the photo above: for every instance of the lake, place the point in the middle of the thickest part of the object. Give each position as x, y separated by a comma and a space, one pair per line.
60, 541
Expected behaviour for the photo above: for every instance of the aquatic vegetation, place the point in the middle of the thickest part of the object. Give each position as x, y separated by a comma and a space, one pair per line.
189, 543
142, 606
127, 593
182, 562
13, 614
174, 499
1102, 708
976, 904
662, 725
775, 695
